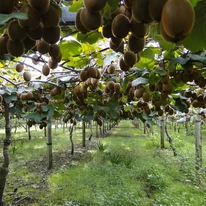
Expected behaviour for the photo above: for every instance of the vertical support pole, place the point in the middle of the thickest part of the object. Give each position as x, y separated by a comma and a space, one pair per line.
186, 125
97, 132
198, 144
49, 143
83, 133
162, 133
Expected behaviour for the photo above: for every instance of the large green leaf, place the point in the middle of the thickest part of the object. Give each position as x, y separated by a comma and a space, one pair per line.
70, 48
197, 39
5, 17
76, 5
90, 37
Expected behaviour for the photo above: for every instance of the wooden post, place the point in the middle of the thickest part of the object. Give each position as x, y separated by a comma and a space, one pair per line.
49, 143
198, 144
83, 133
186, 125
162, 133
97, 132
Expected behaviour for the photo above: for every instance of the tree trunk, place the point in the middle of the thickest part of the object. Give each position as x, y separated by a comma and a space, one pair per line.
29, 132
4, 169
198, 144
162, 132
49, 144
83, 133
71, 139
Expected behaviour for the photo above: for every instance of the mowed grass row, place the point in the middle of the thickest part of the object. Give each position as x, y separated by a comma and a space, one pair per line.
125, 168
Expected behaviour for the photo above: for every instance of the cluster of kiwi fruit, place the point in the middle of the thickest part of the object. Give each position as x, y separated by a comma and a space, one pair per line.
113, 89
42, 25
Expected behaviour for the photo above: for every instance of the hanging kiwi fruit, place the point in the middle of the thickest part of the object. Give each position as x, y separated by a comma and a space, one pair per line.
178, 19
41, 6
78, 24
94, 5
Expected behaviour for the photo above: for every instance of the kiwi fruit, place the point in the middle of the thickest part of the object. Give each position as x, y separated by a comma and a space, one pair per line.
117, 87
83, 75
111, 69
29, 44
135, 44
138, 29
51, 35
51, 18
78, 24
92, 72
165, 79
130, 58
19, 67
54, 50
52, 65
57, 59
15, 48
178, 18
165, 36
41, 6
35, 33
95, 5
138, 93
128, 4
107, 31
3, 44
121, 10
155, 9
16, 32
120, 26
151, 87
27, 76
29, 95
140, 11
23, 96
110, 85
43, 47
34, 17
122, 65
90, 20
6, 7
160, 112
106, 89
146, 96
45, 70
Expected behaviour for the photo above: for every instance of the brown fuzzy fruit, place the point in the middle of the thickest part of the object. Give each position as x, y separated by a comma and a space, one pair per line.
139, 92
117, 87
135, 44
41, 6
138, 29
110, 85
54, 50
78, 24
95, 5
33, 17
146, 96
122, 65
92, 72
6, 7
165, 36
140, 11
107, 31
42, 47
120, 26
51, 35
15, 48
155, 9
27, 76
16, 32
83, 75
111, 69
3, 44
29, 44
29, 95
130, 58
52, 17
35, 33
90, 20
178, 18
45, 70
19, 67
52, 65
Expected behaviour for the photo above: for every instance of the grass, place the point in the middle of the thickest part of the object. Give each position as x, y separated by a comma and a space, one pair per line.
125, 168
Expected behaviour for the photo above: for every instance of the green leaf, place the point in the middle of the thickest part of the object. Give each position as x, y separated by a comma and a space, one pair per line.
70, 48
194, 2
139, 81
197, 39
90, 37
76, 6
113, 57
9, 98
19, 15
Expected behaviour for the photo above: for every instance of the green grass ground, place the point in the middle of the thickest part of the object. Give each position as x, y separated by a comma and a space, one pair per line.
125, 168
